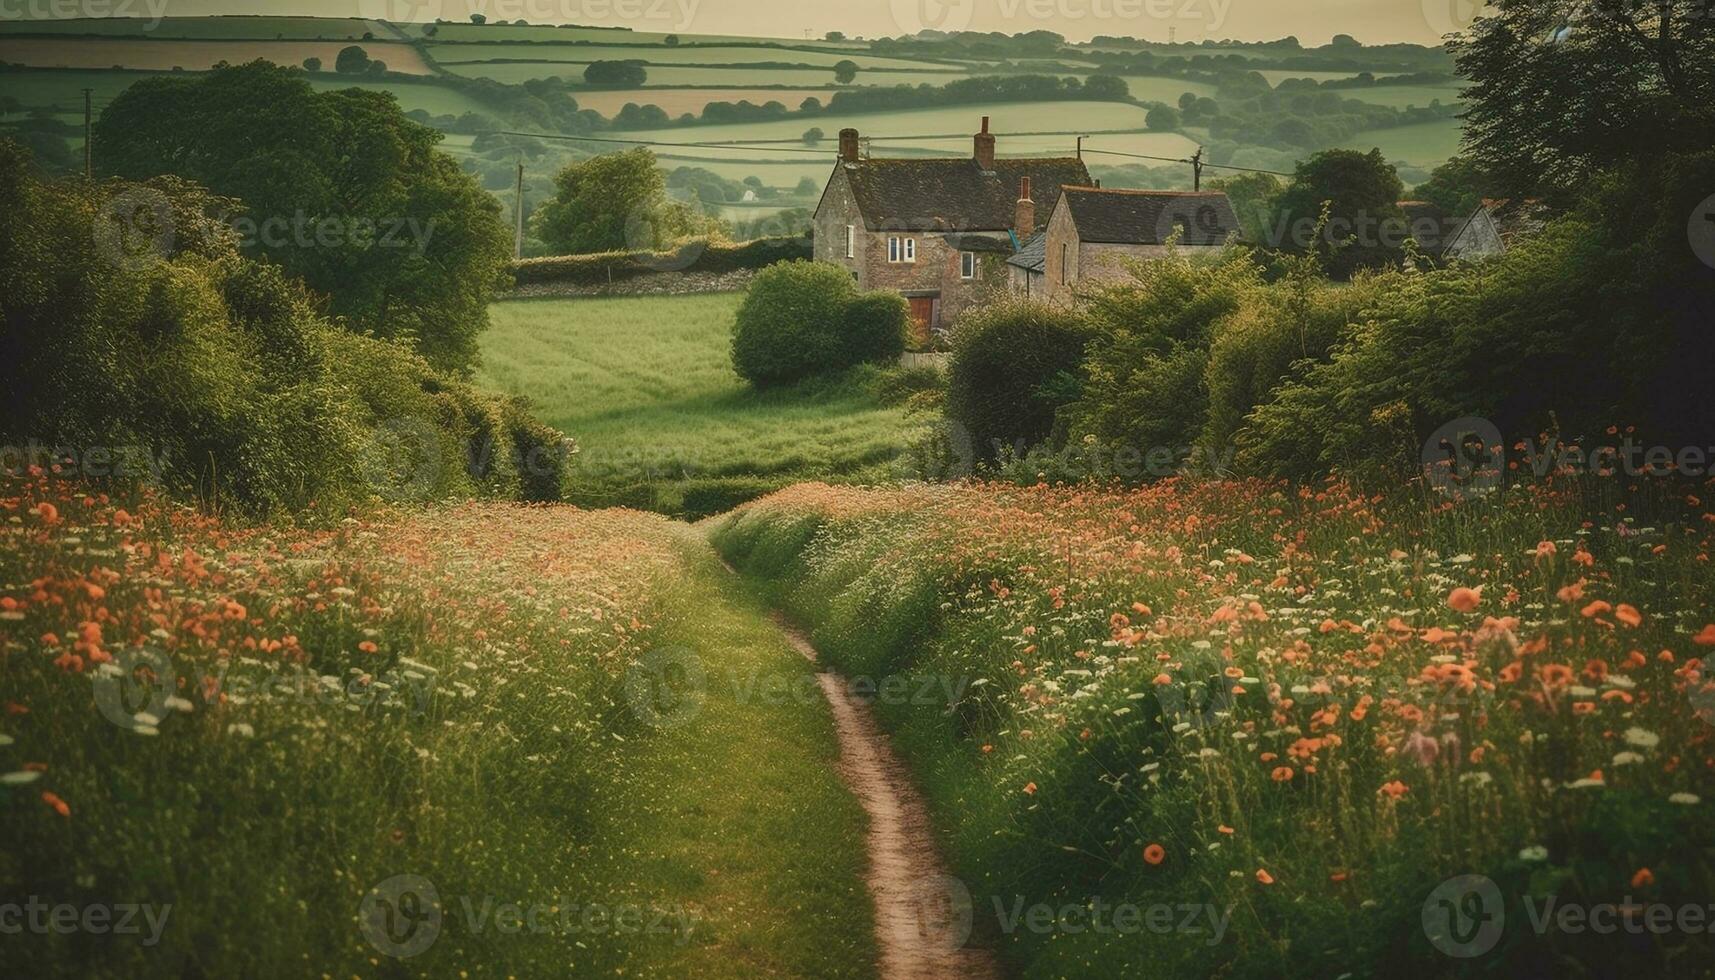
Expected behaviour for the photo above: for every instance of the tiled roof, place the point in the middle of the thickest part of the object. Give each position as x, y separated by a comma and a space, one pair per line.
1033, 253
955, 195
1125, 217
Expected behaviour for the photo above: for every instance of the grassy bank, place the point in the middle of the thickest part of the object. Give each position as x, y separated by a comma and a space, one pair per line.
647, 387
1276, 723
286, 736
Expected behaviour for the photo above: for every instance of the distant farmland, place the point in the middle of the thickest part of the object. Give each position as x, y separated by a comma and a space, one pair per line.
207, 28
164, 55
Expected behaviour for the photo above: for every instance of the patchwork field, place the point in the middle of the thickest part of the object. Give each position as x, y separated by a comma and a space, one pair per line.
162, 55
453, 54
210, 28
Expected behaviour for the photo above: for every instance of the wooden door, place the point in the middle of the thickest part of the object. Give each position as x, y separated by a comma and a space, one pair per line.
922, 315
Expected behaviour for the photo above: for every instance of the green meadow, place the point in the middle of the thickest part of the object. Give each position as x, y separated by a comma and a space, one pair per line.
647, 385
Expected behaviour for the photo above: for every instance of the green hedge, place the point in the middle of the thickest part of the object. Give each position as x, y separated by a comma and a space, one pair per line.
698, 256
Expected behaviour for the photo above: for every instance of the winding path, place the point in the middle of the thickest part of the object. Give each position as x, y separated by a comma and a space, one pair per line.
922, 915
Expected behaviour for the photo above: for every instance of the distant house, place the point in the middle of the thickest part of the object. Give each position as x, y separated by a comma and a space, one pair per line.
1493, 228
1092, 233
938, 231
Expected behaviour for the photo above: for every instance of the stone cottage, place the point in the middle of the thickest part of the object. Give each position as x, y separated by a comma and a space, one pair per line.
939, 231
1092, 233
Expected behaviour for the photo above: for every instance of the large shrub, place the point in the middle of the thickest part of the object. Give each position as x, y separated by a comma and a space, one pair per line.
789, 323
1146, 377
873, 330
171, 358
1009, 371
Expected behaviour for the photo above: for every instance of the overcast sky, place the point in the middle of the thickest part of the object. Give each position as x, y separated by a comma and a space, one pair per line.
1311, 21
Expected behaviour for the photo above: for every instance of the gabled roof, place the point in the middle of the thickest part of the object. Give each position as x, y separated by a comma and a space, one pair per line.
1032, 255
956, 195
1124, 217
1511, 220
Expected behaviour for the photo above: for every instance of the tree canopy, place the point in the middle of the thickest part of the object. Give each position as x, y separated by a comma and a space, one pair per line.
339, 188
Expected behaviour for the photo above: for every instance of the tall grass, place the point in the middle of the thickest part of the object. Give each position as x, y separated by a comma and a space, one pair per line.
254, 731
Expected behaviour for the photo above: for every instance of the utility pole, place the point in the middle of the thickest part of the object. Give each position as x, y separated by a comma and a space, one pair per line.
1197, 170
518, 246
1081, 147
88, 130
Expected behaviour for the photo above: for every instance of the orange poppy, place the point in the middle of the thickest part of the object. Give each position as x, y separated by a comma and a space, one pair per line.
1155, 854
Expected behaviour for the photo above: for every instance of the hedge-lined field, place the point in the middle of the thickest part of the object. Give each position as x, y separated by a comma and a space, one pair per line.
259, 726
1298, 709
663, 422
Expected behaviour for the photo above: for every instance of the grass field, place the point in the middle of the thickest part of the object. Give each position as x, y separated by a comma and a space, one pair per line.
1400, 96
205, 28
158, 55
1424, 144
646, 386
662, 55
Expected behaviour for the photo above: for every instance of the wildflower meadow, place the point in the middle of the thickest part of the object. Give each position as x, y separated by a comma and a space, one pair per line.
1285, 722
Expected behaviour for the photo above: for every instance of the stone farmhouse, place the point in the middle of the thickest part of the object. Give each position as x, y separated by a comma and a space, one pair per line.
1093, 234
939, 231
942, 232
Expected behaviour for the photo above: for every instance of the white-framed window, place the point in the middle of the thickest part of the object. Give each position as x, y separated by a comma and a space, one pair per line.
967, 265
901, 249
851, 241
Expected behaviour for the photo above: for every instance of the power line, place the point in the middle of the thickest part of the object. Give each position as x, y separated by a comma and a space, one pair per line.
1218, 166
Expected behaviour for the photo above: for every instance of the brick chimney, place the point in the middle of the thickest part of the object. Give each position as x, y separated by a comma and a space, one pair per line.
1024, 219
848, 146
984, 145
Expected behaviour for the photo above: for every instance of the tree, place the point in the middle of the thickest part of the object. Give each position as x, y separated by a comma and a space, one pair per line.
812, 136
1106, 88
671, 40
340, 189
845, 71
810, 106
616, 74
1361, 191
1556, 99
1253, 197
376, 67
611, 202
790, 322
1187, 100
1162, 119
834, 36
312, 64
478, 19
1456, 187
351, 61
